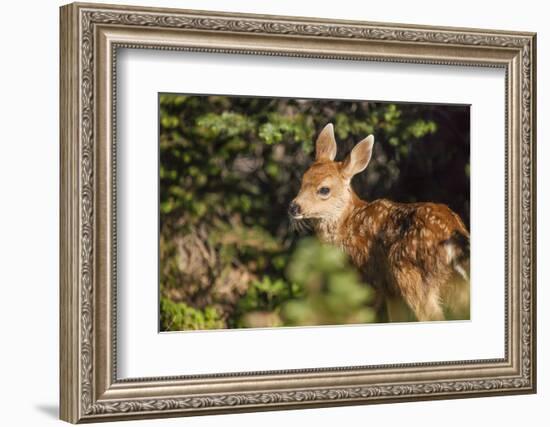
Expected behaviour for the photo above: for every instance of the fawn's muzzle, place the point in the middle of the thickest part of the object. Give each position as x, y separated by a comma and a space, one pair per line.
294, 209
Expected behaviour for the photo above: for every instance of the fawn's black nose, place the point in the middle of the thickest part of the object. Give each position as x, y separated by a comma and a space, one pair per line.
294, 209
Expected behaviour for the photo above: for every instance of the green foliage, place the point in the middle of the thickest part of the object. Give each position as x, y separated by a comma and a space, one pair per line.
332, 290
267, 294
229, 166
264, 297
179, 316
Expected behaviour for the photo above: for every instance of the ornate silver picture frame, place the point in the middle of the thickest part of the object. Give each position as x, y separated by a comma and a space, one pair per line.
91, 34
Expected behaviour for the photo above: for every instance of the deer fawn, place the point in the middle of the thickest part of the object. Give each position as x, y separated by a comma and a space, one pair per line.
415, 254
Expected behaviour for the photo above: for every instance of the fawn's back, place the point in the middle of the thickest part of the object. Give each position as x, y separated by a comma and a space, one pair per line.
410, 250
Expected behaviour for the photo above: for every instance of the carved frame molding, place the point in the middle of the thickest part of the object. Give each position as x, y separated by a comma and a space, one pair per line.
90, 37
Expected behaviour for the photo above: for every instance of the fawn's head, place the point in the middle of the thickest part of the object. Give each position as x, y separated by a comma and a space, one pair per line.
326, 186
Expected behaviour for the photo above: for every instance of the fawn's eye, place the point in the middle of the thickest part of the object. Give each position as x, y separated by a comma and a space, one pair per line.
323, 191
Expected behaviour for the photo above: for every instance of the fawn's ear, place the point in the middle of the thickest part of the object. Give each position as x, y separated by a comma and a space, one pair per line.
325, 147
359, 158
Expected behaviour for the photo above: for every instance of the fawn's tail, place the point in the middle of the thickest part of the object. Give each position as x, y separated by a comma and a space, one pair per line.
460, 254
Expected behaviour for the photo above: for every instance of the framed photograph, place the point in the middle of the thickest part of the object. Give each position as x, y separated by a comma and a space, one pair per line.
265, 212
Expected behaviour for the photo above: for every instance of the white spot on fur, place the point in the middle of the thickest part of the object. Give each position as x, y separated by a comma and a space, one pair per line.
450, 251
458, 268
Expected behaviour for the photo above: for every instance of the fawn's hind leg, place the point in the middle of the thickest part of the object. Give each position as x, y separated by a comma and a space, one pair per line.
431, 308
423, 298
398, 310
456, 297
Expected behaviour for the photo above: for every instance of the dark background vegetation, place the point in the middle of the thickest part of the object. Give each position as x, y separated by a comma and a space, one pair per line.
229, 166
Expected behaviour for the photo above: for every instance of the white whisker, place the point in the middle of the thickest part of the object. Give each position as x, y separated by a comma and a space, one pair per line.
300, 225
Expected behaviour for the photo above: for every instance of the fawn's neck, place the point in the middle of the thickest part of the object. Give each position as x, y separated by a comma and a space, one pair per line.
331, 229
